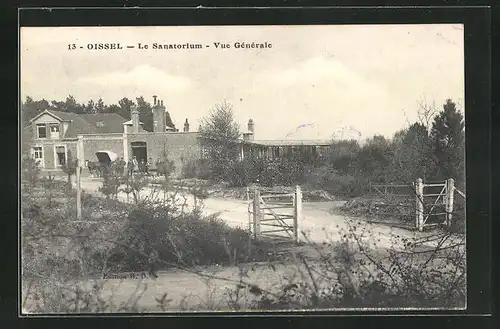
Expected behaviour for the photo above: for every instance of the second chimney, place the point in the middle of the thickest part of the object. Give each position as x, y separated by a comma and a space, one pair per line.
251, 126
159, 117
186, 126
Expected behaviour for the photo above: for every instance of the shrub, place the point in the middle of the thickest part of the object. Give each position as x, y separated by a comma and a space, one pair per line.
266, 172
187, 239
335, 183
197, 168
30, 171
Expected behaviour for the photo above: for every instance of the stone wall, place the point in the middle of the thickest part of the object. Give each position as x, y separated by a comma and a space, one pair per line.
180, 146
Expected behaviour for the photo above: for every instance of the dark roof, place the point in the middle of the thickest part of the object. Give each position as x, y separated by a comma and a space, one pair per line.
289, 142
168, 120
102, 123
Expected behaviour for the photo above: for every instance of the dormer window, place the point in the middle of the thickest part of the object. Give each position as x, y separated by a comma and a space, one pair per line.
54, 131
100, 124
41, 130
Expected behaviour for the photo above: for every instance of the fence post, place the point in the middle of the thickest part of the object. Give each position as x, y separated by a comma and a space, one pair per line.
78, 193
297, 213
450, 189
256, 214
419, 194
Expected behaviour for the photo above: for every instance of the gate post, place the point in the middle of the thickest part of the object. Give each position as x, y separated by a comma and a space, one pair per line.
256, 214
450, 189
419, 194
297, 212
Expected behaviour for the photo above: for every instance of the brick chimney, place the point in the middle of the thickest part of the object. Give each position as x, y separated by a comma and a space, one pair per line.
134, 116
251, 126
249, 135
154, 100
186, 126
159, 117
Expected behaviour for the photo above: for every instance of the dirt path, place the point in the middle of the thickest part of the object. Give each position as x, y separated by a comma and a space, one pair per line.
319, 224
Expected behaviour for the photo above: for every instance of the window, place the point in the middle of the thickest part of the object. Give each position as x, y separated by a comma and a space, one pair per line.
42, 131
100, 124
54, 131
37, 153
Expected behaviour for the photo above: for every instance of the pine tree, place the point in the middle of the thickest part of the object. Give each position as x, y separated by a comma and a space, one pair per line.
90, 108
145, 113
125, 106
448, 143
99, 106
72, 106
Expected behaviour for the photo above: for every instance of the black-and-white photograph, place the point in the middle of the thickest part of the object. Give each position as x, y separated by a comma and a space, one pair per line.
242, 168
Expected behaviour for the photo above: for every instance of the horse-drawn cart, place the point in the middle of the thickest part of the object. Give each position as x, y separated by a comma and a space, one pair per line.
104, 160
106, 157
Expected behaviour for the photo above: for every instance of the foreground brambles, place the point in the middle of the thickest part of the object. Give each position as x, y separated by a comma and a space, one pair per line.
335, 275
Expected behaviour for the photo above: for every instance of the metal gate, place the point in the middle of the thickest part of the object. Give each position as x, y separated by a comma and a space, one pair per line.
274, 214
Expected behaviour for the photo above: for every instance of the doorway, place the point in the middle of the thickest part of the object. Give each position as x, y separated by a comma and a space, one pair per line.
140, 151
60, 152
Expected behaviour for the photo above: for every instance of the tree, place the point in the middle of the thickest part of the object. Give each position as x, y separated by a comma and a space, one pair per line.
72, 106
448, 143
100, 106
374, 159
113, 108
125, 106
57, 106
31, 108
220, 133
342, 156
28, 110
426, 112
411, 155
90, 107
145, 113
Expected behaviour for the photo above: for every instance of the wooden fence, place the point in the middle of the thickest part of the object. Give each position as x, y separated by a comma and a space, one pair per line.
433, 200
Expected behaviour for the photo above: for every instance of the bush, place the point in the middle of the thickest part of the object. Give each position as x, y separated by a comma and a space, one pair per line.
266, 172
197, 168
30, 172
186, 239
335, 183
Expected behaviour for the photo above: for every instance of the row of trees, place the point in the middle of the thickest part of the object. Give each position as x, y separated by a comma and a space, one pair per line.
30, 108
433, 148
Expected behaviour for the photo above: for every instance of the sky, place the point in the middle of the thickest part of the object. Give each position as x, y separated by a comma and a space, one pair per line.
316, 82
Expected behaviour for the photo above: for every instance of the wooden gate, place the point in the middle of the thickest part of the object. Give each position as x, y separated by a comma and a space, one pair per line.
434, 203
275, 214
